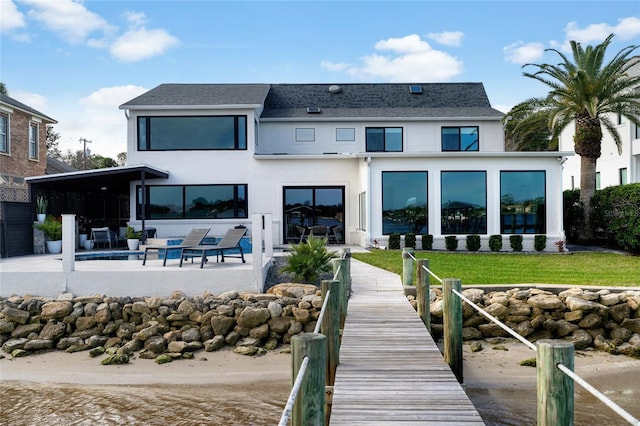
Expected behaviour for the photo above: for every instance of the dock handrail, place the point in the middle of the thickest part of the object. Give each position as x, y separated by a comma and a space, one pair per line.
315, 356
455, 360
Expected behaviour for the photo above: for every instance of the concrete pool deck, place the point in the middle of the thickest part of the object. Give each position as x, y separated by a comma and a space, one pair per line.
43, 275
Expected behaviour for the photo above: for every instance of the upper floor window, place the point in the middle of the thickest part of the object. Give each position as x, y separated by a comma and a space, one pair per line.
33, 141
622, 175
194, 201
305, 134
4, 134
598, 184
228, 132
460, 138
384, 139
345, 134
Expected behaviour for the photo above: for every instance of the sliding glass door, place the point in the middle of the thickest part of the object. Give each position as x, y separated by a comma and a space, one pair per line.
309, 206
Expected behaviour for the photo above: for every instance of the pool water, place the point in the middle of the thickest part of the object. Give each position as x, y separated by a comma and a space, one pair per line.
110, 255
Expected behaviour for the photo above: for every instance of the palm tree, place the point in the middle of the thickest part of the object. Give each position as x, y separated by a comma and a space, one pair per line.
527, 129
586, 92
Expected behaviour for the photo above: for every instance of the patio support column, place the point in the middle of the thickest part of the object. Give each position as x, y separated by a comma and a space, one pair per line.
143, 212
256, 250
268, 234
68, 242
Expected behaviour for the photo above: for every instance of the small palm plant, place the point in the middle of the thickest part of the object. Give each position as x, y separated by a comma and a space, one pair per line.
309, 259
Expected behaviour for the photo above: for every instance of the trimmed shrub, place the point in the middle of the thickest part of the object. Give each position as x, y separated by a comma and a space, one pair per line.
410, 241
616, 215
495, 242
451, 242
309, 259
516, 242
540, 242
473, 242
427, 241
394, 242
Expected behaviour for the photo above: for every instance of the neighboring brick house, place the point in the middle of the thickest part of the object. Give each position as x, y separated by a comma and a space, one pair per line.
23, 147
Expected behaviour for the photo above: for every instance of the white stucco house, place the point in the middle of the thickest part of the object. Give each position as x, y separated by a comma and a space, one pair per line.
364, 160
613, 167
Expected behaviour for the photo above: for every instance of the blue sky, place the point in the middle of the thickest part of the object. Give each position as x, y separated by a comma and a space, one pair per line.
77, 61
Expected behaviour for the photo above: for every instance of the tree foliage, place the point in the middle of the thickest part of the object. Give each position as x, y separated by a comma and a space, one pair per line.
53, 143
585, 91
309, 259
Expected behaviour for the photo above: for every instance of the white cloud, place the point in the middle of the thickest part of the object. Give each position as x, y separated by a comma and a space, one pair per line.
136, 45
409, 59
31, 99
10, 17
136, 19
521, 53
626, 29
71, 20
97, 118
334, 66
448, 38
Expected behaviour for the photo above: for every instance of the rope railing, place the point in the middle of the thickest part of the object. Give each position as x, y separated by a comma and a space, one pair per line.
495, 320
456, 357
318, 352
286, 414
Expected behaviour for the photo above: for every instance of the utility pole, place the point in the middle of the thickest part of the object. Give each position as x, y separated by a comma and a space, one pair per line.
84, 152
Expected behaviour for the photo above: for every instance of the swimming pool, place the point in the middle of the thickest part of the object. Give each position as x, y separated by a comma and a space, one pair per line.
110, 255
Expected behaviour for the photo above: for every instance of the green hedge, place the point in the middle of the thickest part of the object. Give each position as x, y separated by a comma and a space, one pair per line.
616, 215
540, 242
394, 242
473, 242
516, 242
427, 241
572, 214
410, 241
451, 242
495, 242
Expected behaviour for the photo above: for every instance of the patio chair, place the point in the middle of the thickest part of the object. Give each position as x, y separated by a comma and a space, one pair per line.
230, 241
103, 236
319, 231
193, 239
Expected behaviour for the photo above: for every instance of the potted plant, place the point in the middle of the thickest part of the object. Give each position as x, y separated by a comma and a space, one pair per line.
52, 229
133, 238
41, 208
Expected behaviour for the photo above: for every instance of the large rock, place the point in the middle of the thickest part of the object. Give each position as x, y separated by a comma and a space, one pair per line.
56, 310
292, 290
578, 304
632, 324
280, 324
546, 301
16, 315
53, 330
222, 324
253, 317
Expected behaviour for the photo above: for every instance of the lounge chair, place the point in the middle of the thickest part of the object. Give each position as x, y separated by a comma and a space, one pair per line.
193, 239
230, 241
319, 231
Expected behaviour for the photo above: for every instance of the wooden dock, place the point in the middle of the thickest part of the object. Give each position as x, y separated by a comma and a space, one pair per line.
391, 371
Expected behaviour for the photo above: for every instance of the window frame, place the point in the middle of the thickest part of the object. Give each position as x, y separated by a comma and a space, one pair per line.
459, 149
239, 128
5, 144
183, 215
349, 138
623, 176
305, 134
34, 130
542, 229
384, 138
486, 201
406, 223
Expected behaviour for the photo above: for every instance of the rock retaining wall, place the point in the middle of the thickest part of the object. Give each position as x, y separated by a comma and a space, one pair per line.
176, 325
608, 321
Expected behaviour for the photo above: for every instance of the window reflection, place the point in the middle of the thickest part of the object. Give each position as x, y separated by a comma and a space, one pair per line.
314, 206
404, 202
464, 202
522, 202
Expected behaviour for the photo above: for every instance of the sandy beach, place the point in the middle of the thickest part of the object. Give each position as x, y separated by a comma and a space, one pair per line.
226, 388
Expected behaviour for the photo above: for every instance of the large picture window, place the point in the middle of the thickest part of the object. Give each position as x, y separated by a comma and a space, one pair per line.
522, 202
384, 139
318, 210
192, 133
464, 202
194, 202
460, 138
404, 202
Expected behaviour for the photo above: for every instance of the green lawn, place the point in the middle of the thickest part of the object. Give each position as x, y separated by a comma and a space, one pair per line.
601, 269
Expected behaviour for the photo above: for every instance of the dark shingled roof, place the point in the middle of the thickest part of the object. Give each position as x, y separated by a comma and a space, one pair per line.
19, 105
379, 100
201, 95
438, 100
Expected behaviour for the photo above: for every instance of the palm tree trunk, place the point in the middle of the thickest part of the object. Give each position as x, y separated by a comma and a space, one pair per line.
587, 189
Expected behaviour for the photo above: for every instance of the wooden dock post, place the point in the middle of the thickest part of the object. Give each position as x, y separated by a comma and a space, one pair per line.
347, 256
408, 265
344, 293
555, 389
308, 409
453, 326
331, 327
423, 293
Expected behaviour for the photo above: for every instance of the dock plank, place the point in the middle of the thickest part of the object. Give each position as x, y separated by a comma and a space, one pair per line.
391, 370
